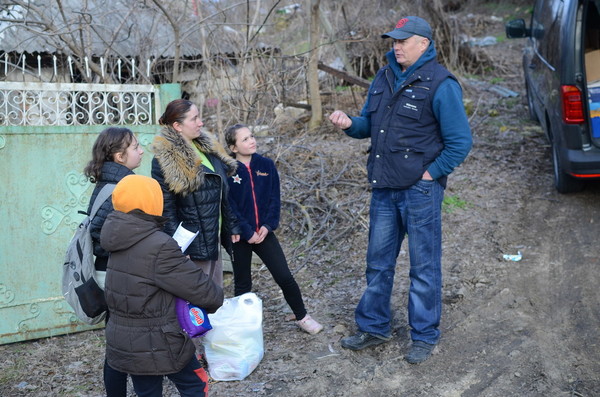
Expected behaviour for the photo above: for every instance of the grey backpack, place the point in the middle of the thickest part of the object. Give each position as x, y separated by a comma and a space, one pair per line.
79, 286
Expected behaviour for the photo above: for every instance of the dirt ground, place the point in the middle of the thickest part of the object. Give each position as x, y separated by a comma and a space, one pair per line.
526, 328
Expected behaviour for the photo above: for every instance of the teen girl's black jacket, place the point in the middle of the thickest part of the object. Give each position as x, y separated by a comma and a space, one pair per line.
111, 173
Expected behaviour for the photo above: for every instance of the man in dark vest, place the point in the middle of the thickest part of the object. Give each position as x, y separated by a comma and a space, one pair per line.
419, 133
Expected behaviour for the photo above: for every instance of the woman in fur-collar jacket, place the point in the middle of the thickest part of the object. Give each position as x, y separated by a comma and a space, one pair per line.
192, 169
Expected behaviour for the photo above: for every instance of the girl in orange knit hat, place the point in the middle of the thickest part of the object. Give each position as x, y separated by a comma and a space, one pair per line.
146, 271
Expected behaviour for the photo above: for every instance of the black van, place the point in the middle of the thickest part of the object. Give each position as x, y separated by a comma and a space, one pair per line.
561, 63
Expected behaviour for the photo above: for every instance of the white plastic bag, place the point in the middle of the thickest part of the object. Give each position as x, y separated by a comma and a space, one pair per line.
234, 346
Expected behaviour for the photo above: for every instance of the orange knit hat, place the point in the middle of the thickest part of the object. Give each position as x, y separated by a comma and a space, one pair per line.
138, 192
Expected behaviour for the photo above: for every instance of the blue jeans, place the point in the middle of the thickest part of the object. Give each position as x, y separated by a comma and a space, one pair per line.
394, 213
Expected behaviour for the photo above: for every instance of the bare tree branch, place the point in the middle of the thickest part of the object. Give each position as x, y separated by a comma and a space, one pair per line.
175, 25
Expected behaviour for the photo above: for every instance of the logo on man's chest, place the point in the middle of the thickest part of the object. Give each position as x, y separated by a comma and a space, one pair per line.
260, 173
410, 101
410, 106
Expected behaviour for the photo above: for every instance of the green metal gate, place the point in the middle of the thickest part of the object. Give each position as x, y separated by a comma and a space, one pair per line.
46, 136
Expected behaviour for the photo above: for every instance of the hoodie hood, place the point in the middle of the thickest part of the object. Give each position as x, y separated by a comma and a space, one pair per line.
123, 230
181, 164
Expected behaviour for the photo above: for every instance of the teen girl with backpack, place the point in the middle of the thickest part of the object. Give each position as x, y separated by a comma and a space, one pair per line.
115, 154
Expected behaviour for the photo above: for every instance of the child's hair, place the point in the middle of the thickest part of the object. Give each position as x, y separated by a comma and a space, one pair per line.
110, 141
175, 112
231, 134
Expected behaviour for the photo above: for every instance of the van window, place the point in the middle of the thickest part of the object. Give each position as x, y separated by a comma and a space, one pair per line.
592, 23
545, 29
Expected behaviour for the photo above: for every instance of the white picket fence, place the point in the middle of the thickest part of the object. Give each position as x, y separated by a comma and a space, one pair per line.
14, 64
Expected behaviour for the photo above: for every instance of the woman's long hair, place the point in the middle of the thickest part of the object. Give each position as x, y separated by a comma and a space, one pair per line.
110, 141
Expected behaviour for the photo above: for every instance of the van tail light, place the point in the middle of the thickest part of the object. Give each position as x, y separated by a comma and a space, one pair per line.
586, 175
572, 104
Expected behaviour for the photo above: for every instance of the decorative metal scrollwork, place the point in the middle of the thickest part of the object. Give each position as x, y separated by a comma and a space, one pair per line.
43, 104
77, 184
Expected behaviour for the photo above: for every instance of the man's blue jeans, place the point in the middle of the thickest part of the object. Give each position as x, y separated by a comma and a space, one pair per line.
394, 213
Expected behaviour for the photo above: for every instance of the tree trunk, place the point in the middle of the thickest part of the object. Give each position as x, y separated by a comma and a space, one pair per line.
313, 69
339, 46
175, 25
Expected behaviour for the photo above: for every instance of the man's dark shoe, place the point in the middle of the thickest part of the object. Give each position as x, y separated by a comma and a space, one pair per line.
360, 340
419, 352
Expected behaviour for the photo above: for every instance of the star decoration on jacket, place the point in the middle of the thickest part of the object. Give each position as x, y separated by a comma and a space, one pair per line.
237, 179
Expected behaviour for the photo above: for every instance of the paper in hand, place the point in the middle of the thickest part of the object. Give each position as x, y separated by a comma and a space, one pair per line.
184, 237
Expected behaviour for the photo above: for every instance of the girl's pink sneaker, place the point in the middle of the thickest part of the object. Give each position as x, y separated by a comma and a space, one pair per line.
308, 324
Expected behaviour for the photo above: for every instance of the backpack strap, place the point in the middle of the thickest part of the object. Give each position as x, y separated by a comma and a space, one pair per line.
102, 196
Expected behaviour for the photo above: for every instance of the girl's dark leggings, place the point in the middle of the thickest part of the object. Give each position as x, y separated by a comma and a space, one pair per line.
270, 252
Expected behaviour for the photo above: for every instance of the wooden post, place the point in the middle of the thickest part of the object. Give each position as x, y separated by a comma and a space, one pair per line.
313, 70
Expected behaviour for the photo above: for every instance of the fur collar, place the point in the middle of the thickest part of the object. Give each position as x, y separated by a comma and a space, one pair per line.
181, 164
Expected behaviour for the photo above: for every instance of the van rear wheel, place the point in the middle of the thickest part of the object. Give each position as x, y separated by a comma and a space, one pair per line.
563, 182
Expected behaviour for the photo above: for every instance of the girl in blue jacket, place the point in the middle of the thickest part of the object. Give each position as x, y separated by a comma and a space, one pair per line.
254, 198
